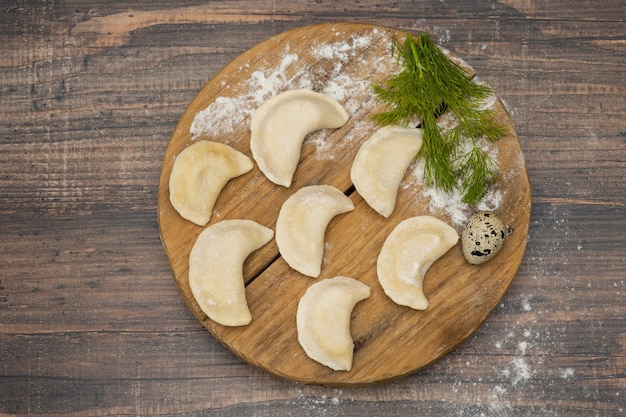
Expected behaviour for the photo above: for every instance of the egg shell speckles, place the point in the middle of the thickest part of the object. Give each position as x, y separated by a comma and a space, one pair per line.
483, 237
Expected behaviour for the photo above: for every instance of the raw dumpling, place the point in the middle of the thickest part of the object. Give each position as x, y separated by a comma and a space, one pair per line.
409, 250
215, 268
302, 222
280, 125
199, 173
381, 163
323, 320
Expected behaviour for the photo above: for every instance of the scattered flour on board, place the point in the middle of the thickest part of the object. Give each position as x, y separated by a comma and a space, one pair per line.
451, 203
221, 116
228, 111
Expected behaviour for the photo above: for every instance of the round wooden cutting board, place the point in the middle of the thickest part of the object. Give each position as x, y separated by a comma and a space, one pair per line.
391, 341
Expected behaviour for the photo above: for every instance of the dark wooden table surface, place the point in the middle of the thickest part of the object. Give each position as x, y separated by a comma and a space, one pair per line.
91, 321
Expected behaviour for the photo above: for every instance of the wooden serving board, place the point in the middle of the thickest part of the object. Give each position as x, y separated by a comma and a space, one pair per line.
390, 341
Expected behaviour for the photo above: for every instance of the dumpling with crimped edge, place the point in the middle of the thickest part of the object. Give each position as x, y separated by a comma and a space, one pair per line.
381, 163
302, 222
278, 128
216, 268
198, 176
407, 254
323, 320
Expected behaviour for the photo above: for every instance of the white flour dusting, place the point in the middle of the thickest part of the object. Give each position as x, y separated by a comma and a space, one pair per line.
342, 50
520, 371
221, 116
226, 112
451, 203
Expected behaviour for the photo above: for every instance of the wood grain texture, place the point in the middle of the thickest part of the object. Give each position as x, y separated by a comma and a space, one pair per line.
391, 341
91, 322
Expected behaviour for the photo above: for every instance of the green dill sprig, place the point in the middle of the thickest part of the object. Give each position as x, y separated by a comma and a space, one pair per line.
428, 84
477, 170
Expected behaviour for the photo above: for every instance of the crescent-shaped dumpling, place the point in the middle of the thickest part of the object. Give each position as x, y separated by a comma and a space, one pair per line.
302, 222
381, 163
215, 268
409, 250
199, 173
323, 320
279, 126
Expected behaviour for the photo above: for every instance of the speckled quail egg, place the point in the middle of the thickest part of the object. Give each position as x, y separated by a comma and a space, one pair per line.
483, 237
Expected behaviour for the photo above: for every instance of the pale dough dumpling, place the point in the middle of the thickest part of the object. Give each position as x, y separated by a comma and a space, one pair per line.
302, 222
409, 250
215, 268
323, 320
199, 173
381, 163
280, 124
